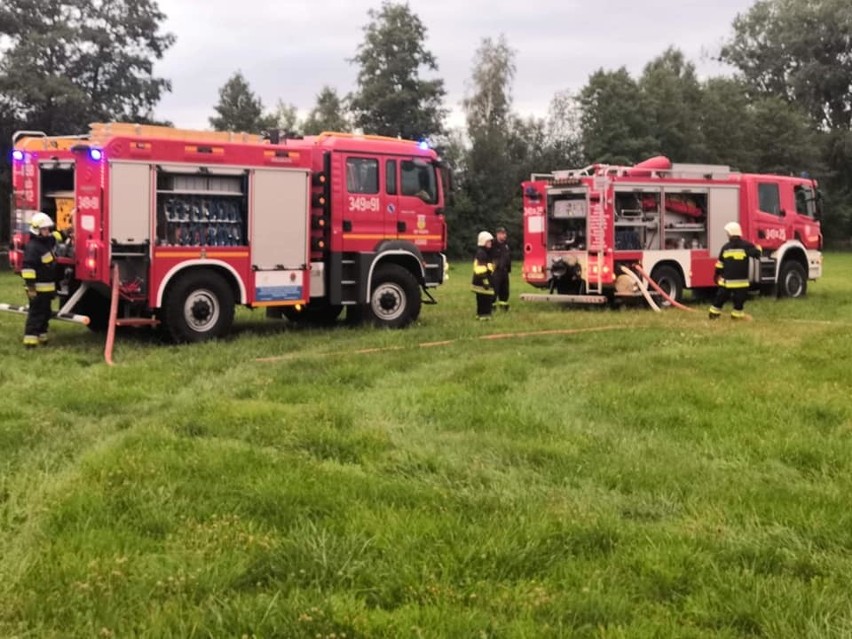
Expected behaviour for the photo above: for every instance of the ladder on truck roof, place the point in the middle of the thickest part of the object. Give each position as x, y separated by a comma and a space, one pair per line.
683, 171
41, 141
100, 131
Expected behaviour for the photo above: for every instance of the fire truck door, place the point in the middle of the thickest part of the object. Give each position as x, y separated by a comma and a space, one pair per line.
363, 217
770, 216
804, 225
418, 194
391, 196
279, 235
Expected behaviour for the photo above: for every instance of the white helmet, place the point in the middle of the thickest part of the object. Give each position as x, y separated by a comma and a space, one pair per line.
483, 238
733, 228
40, 221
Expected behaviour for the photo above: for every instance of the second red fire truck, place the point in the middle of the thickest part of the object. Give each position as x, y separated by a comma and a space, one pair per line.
195, 223
582, 227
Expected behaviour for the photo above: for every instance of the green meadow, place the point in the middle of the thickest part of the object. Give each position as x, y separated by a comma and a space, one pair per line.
553, 473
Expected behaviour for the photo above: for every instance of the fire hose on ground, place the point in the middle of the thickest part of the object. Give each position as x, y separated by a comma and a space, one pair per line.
643, 288
659, 290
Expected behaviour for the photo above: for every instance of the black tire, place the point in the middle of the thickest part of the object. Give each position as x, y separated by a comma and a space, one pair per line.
670, 280
198, 307
792, 280
394, 297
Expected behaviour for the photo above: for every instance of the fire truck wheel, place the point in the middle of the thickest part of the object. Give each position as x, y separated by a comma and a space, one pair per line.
792, 280
668, 278
395, 297
199, 307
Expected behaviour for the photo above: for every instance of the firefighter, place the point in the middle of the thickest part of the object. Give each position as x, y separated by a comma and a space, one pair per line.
39, 273
483, 269
732, 272
501, 257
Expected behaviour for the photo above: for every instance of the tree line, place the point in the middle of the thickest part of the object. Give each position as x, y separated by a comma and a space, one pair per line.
787, 108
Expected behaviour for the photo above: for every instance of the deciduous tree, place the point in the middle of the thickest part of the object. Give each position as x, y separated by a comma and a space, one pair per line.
799, 51
65, 63
671, 96
392, 97
488, 180
614, 119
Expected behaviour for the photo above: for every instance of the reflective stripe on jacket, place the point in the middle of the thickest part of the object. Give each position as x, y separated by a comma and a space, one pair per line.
733, 264
39, 264
482, 268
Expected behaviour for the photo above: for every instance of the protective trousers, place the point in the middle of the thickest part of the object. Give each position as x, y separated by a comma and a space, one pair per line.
500, 280
484, 303
739, 296
38, 318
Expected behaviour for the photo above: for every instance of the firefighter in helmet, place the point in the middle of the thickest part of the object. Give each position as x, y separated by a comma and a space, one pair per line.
732, 270
39, 273
501, 256
483, 269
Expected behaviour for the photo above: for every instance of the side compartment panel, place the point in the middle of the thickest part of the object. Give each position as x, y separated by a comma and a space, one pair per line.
130, 203
279, 236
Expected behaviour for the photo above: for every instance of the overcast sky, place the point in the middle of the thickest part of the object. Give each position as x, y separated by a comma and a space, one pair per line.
289, 49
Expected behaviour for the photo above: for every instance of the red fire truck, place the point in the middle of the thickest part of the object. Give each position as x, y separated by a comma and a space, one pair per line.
583, 226
196, 222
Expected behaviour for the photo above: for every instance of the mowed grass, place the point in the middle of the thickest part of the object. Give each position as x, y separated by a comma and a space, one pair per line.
647, 475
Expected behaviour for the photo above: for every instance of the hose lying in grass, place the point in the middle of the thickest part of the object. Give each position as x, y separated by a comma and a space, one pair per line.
643, 288
665, 295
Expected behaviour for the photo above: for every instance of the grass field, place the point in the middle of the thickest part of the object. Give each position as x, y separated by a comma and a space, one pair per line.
649, 475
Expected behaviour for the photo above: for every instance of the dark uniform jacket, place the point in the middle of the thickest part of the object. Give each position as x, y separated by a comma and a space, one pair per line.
482, 268
39, 265
501, 255
732, 266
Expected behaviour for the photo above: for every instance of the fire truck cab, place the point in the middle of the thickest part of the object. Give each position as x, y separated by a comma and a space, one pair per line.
583, 227
196, 222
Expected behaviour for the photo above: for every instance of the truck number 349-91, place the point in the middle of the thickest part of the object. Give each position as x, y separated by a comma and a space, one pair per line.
364, 204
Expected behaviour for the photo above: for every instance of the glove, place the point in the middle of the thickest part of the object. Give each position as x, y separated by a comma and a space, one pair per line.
31, 292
